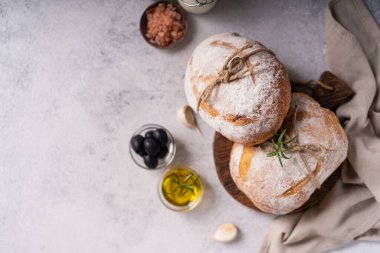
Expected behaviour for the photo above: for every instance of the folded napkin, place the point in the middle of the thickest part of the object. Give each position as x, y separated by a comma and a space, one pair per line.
351, 211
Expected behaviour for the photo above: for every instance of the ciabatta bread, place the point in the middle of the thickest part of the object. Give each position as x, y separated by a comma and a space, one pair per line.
248, 110
280, 190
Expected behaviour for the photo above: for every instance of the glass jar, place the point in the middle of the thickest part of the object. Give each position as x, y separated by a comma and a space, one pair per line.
197, 6
167, 160
180, 188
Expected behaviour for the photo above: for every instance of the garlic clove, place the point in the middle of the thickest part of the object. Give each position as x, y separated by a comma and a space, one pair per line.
186, 116
225, 233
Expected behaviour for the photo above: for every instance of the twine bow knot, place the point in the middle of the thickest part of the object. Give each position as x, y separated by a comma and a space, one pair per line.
311, 149
232, 69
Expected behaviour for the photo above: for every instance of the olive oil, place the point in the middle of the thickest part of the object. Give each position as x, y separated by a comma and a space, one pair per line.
182, 187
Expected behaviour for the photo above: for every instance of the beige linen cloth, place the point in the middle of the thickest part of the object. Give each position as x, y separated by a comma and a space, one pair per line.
351, 211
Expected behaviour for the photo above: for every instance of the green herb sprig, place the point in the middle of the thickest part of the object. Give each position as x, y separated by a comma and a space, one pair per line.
183, 186
281, 146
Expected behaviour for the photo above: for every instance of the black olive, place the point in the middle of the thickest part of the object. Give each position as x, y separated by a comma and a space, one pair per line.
137, 143
161, 135
149, 134
151, 146
163, 152
142, 153
151, 161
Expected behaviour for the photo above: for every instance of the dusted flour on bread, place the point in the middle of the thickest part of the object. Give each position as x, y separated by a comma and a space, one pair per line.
248, 110
280, 190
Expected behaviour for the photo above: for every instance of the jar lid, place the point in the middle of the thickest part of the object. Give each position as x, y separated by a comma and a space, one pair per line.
198, 3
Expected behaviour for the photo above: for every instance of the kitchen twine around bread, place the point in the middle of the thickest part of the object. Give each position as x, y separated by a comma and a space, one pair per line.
310, 149
232, 70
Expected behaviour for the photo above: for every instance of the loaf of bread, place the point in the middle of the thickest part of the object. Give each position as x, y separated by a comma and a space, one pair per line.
239, 88
281, 189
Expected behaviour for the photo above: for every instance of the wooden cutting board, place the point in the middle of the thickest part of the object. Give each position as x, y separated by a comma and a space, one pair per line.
340, 94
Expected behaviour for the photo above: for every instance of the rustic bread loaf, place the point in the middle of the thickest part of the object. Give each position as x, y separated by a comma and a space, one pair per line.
280, 190
246, 106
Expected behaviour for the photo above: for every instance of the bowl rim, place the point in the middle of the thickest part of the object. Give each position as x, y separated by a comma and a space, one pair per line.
143, 23
134, 155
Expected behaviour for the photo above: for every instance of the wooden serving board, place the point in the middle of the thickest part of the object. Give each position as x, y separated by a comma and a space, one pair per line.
340, 94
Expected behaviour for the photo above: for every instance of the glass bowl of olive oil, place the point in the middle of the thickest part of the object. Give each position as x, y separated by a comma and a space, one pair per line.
180, 188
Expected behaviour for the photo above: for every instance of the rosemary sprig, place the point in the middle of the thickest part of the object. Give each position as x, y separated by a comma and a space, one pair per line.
184, 187
281, 147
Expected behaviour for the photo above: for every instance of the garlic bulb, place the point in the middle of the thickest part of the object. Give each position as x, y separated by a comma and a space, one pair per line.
186, 116
225, 233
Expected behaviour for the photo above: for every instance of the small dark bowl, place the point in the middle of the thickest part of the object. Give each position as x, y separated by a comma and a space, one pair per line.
144, 23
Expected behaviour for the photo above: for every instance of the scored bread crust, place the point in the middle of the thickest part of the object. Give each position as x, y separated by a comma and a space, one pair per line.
280, 190
249, 110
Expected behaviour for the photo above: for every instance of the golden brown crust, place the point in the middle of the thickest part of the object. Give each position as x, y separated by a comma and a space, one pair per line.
245, 162
220, 43
209, 108
239, 120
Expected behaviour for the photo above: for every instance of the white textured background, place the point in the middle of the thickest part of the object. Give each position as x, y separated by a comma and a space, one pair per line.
76, 79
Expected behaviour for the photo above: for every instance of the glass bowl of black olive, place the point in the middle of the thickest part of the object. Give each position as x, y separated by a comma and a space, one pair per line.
152, 147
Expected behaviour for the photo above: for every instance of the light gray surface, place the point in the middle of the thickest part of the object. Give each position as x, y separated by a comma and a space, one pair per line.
76, 79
